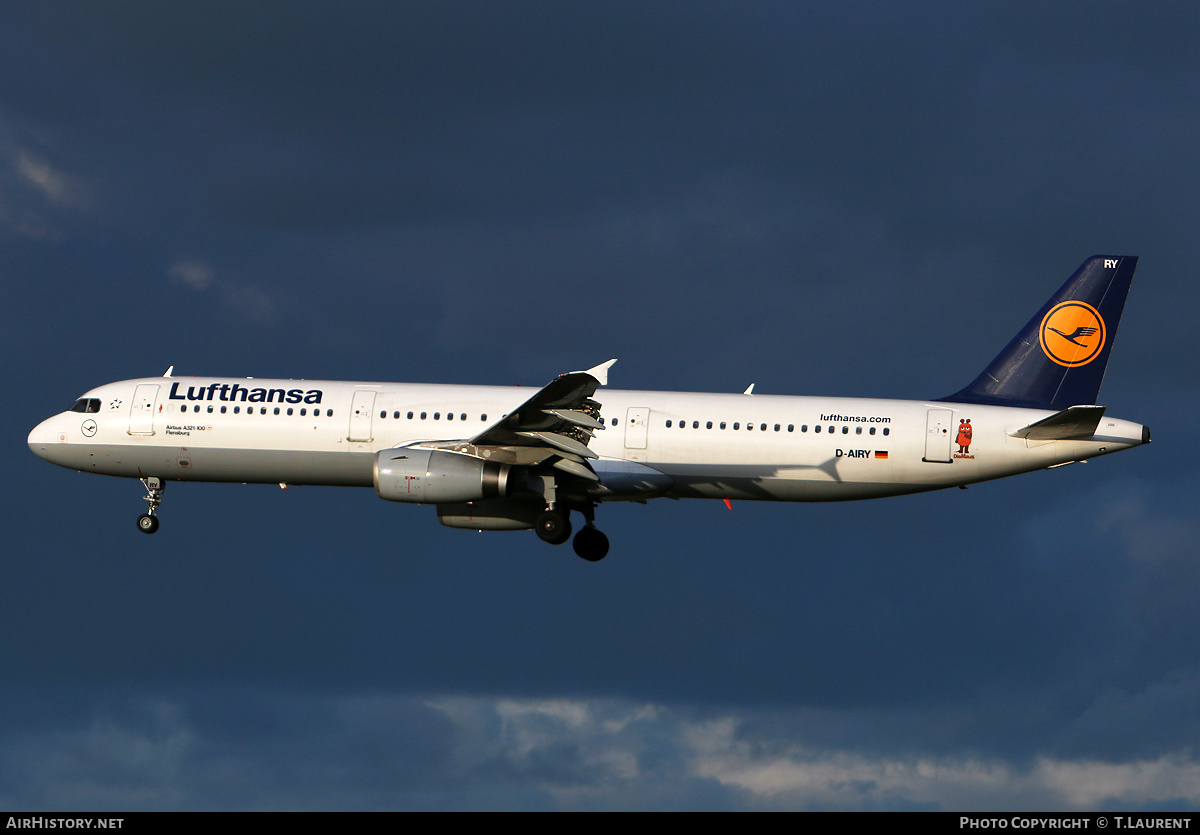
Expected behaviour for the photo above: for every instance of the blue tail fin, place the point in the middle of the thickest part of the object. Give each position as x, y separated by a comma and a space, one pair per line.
1058, 359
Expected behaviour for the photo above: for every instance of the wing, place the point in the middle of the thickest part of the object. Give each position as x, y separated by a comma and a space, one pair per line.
552, 427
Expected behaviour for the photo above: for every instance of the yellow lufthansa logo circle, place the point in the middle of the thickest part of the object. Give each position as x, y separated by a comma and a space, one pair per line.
1072, 333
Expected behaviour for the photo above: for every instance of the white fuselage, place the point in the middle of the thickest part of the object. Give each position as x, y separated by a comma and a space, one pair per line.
706, 445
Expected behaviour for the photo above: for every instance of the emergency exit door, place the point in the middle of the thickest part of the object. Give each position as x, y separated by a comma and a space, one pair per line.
361, 409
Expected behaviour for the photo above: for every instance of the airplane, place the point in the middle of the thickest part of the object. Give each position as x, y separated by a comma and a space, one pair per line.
495, 458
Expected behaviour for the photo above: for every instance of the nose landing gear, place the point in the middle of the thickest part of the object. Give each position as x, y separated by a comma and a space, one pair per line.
148, 521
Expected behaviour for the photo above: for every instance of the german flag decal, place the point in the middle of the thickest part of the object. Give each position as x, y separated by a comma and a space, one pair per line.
881, 453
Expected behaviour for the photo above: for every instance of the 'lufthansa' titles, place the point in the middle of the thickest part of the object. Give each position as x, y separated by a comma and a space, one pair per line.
230, 392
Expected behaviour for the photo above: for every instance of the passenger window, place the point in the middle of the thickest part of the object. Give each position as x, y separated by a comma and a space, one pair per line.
668, 424
708, 425
289, 410
722, 424
222, 410
423, 414
263, 410
410, 415
183, 408
449, 415
817, 429
695, 424
303, 412
777, 427
437, 415
886, 430
382, 414
750, 427
210, 409
463, 416
858, 430
845, 430
871, 431
237, 410
276, 410
395, 415
196, 408
737, 425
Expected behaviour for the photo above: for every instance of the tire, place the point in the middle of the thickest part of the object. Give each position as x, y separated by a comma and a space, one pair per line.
591, 544
147, 523
553, 528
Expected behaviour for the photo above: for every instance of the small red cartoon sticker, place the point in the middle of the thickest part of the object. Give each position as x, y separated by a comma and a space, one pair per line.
964, 436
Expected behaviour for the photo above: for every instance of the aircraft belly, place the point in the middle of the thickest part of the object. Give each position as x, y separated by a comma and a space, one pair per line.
828, 481
268, 466
767, 488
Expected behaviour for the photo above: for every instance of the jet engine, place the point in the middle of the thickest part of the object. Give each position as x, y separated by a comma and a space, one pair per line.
433, 476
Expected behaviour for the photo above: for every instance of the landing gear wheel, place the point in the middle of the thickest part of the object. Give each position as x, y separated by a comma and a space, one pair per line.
591, 544
553, 528
147, 523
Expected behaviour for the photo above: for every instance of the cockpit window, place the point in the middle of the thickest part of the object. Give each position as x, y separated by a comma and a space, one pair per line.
87, 404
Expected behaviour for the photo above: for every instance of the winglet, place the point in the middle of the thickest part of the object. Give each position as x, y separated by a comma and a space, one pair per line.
600, 372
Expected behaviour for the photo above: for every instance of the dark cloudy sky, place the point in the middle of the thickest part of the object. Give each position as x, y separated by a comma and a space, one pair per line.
846, 199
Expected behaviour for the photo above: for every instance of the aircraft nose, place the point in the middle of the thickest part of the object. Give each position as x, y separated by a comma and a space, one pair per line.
43, 438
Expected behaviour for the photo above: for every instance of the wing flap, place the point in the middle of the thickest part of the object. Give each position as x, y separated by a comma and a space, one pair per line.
560, 442
576, 468
576, 417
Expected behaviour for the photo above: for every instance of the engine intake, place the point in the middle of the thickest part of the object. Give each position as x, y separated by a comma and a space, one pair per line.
433, 476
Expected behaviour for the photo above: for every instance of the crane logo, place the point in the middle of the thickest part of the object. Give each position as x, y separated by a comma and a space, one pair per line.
1072, 333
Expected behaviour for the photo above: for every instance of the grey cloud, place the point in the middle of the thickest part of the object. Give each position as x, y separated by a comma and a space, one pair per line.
189, 750
250, 301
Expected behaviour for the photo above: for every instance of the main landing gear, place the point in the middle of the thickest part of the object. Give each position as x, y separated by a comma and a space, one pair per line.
148, 521
591, 544
554, 526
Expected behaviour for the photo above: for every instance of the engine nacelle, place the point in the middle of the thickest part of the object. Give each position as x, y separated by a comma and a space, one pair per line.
493, 515
434, 476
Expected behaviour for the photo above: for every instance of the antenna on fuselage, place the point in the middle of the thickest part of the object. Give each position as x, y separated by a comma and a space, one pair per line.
168, 371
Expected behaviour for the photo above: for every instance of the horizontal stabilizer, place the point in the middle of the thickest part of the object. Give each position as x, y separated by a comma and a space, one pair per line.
1075, 422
